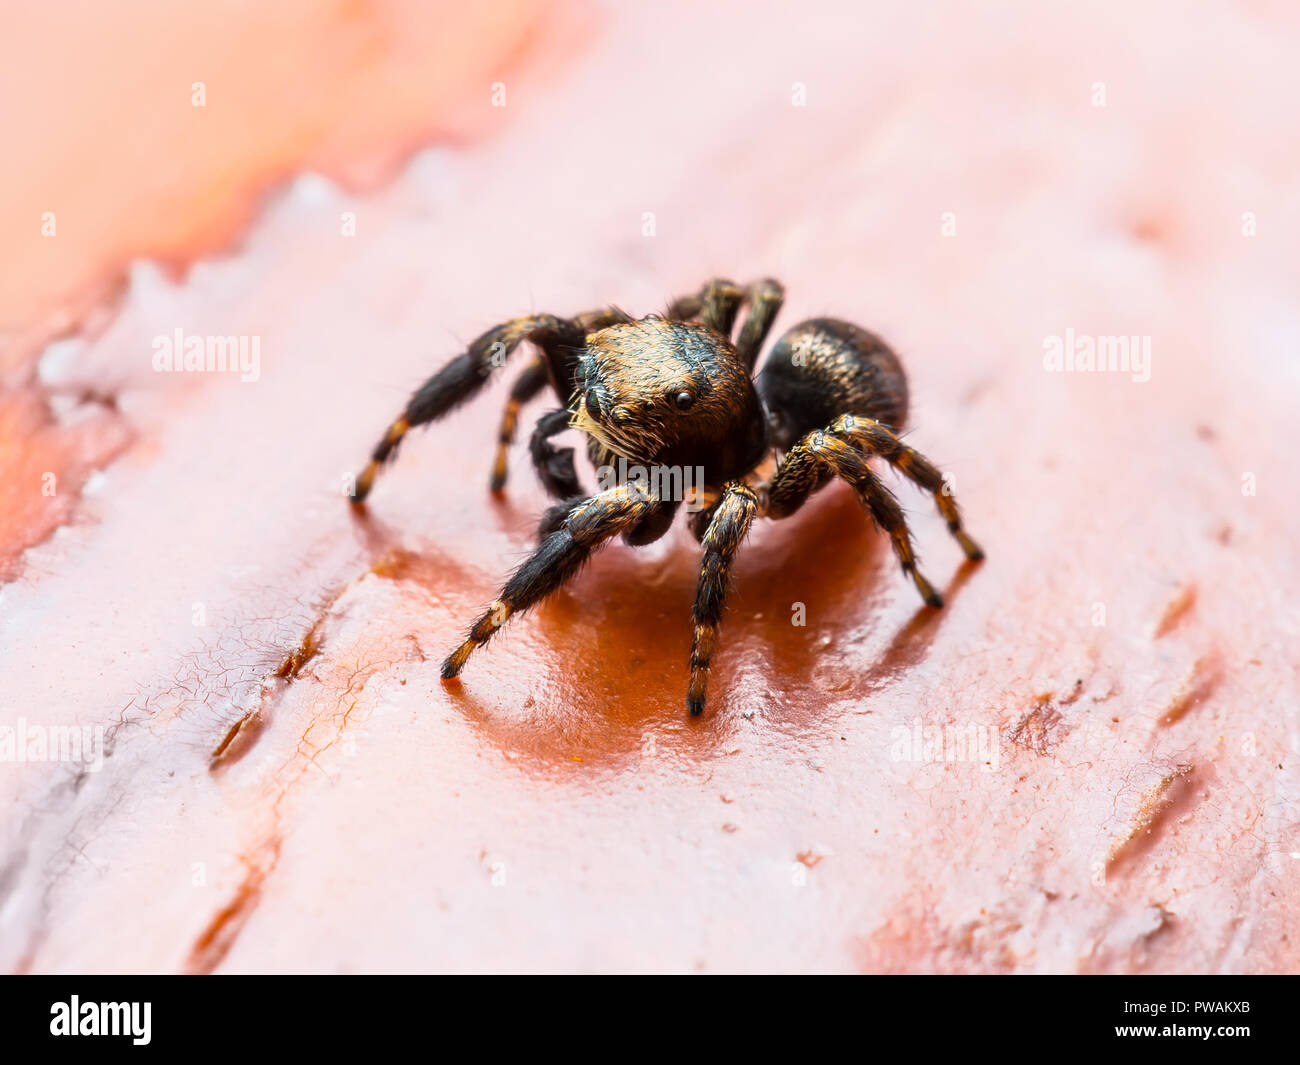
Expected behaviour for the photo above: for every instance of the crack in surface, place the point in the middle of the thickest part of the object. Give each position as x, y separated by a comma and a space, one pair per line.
244, 733
1177, 609
222, 930
1199, 684
1152, 815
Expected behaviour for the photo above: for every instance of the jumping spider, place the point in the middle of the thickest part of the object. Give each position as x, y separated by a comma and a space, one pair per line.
673, 391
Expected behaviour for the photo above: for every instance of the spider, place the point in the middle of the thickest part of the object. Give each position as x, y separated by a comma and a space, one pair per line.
672, 392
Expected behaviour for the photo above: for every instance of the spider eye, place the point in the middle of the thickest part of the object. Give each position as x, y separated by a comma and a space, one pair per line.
683, 400
593, 408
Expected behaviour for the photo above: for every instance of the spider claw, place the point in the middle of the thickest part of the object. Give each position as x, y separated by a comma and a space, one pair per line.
973, 550
455, 661
364, 482
695, 704
931, 597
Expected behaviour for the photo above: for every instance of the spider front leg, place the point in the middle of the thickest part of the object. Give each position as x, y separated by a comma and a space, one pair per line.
879, 440
462, 378
559, 557
732, 517
554, 465
801, 472
526, 386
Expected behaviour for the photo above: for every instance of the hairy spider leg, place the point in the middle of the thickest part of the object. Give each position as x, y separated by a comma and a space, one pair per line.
718, 303
800, 473
879, 440
460, 379
763, 300
715, 305
554, 465
533, 379
732, 517
560, 341
559, 557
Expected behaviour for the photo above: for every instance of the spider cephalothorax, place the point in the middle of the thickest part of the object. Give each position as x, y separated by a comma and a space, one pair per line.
662, 393
673, 393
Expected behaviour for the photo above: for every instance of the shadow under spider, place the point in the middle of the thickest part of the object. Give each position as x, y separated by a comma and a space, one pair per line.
617, 641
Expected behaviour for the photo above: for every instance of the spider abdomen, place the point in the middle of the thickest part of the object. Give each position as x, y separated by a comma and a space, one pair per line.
823, 368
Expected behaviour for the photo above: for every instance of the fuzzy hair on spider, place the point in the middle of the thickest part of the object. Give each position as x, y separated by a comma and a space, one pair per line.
675, 391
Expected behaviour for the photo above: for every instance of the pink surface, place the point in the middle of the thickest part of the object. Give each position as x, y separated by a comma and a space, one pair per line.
557, 809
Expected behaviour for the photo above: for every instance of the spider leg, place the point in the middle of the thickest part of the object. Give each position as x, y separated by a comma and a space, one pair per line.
801, 472
553, 516
715, 305
656, 521
878, 440
464, 376
526, 386
764, 299
719, 302
594, 321
556, 560
646, 530
731, 520
554, 465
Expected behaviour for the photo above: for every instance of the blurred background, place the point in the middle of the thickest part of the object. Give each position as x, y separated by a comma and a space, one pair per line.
274, 777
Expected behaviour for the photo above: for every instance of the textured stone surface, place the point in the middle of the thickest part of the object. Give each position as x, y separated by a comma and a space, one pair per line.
1126, 649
